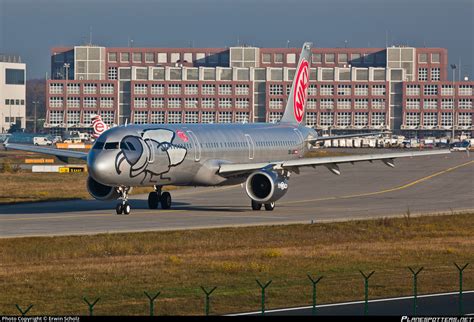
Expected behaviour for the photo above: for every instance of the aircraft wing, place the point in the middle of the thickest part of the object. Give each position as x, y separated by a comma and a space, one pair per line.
61, 154
230, 169
346, 136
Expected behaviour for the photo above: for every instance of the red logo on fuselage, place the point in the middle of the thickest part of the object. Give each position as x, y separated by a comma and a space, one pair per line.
301, 90
182, 135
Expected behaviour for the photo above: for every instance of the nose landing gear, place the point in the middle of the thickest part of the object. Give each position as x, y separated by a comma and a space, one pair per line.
123, 207
157, 197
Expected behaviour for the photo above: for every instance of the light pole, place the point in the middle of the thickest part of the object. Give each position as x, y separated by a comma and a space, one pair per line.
453, 67
35, 115
66, 66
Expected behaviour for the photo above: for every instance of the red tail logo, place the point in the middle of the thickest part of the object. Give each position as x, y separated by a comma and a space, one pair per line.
98, 125
301, 90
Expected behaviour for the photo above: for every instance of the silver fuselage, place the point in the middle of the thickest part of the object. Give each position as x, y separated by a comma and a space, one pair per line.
190, 154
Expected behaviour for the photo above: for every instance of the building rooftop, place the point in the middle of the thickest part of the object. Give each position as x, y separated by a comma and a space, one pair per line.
10, 58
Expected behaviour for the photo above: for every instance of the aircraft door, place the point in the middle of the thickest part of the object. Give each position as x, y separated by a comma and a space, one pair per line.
300, 139
197, 146
251, 146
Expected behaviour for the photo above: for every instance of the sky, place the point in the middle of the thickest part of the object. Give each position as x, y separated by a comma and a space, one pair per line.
31, 28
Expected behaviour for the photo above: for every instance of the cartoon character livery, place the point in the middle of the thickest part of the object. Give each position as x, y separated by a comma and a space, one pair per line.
259, 155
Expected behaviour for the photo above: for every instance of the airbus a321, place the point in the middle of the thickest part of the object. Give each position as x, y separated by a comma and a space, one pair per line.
261, 155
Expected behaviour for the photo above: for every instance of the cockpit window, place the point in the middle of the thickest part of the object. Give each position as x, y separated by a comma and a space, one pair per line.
111, 145
98, 145
123, 146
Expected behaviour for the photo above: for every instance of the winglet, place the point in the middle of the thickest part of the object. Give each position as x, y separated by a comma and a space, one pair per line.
295, 105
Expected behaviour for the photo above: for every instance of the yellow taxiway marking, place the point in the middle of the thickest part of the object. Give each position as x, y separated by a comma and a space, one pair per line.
382, 191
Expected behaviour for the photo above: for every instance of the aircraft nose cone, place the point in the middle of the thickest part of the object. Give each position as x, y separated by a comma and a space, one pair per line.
98, 168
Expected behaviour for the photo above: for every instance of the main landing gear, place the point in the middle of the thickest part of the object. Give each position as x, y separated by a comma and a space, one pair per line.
257, 206
123, 207
157, 197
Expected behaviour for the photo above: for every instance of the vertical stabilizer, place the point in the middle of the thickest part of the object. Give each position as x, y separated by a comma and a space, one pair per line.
296, 103
98, 125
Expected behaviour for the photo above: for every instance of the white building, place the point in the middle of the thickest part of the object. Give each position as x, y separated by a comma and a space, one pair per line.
12, 92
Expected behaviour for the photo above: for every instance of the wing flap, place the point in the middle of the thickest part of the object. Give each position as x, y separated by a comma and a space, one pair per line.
51, 151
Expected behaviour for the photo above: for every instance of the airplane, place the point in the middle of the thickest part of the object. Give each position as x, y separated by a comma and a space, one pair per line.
262, 156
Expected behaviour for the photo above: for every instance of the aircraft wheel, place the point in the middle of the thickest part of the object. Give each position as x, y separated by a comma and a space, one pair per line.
126, 208
119, 209
256, 205
270, 206
153, 200
165, 200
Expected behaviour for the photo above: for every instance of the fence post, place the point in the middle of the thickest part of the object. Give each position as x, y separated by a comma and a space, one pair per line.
460, 269
23, 313
263, 287
366, 284
207, 297
152, 301
314, 282
91, 305
415, 290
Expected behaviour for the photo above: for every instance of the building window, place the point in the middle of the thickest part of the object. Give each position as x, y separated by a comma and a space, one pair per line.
137, 57
266, 58
225, 117
112, 73
435, 58
208, 102
149, 58
344, 103
278, 58
107, 88
157, 117
312, 90
430, 89
276, 103
465, 90
73, 117
208, 117
55, 88
162, 58
225, 102
361, 90
329, 58
124, 57
140, 117
316, 58
140, 89
446, 119
191, 89
327, 90
74, 102
291, 58
55, 102
361, 119
276, 89
465, 103
140, 102
90, 89
55, 118
447, 104
412, 120
157, 89
208, 89
430, 103
344, 90
465, 119
225, 89
422, 58
378, 119
430, 120
342, 58
191, 117
241, 117
190, 102
326, 119
422, 74
274, 117
174, 102
447, 90
73, 88
361, 103
174, 117
243, 103
311, 119
157, 102
14, 76
241, 89
344, 119
112, 57
413, 103
413, 90
327, 104
107, 117
378, 90
378, 103
174, 89
311, 103
435, 74
106, 102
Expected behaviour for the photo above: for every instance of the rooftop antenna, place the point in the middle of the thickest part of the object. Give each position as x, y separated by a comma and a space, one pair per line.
386, 38
287, 44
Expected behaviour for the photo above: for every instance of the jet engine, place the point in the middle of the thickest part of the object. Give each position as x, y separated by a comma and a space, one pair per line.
266, 186
100, 191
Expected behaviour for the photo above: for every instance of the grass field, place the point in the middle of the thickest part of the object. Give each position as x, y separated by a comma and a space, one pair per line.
54, 273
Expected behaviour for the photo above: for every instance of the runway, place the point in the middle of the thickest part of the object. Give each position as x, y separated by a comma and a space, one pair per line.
423, 185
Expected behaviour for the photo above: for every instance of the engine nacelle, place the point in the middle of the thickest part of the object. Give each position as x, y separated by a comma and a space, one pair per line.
100, 191
266, 186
